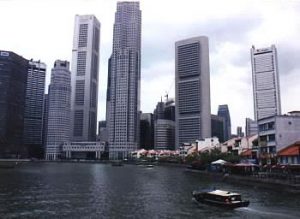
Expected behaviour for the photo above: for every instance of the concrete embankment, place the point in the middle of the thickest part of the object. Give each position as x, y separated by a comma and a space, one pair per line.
288, 185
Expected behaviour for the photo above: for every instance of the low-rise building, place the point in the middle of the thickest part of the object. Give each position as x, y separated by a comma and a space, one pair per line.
289, 154
238, 145
275, 132
83, 150
207, 144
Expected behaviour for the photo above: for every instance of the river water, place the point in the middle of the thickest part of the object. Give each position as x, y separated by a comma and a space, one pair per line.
85, 190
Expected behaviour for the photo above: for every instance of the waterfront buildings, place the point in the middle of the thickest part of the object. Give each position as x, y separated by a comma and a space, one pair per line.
276, 132
147, 131
123, 87
217, 127
164, 125
59, 110
265, 77
33, 115
192, 90
251, 127
13, 79
85, 66
223, 111
239, 145
289, 154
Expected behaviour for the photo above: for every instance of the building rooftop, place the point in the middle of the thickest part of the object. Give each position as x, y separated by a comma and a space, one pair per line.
291, 150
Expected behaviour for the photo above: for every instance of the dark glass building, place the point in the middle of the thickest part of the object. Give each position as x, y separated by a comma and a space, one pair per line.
33, 115
147, 131
223, 111
217, 127
13, 77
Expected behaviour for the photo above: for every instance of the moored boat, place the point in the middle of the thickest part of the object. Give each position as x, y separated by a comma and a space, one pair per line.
220, 198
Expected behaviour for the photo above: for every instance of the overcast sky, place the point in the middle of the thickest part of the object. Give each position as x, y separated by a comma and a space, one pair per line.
43, 30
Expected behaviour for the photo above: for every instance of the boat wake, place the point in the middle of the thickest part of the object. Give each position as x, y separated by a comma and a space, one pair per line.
266, 214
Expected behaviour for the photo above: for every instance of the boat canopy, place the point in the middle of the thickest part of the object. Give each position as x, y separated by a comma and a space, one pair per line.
221, 162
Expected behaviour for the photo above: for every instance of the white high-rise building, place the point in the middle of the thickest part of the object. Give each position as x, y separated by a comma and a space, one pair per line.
265, 79
85, 67
192, 99
123, 88
59, 109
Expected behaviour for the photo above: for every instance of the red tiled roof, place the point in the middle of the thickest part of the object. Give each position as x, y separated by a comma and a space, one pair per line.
291, 150
248, 152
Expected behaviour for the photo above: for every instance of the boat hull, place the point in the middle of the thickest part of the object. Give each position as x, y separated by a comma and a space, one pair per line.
199, 197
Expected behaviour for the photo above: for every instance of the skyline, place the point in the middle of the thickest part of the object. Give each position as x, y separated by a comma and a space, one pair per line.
267, 22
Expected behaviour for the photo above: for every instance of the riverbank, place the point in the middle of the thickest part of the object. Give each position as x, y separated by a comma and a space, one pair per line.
288, 185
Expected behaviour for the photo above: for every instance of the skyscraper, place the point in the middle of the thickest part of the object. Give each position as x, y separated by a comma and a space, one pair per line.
147, 131
192, 81
251, 127
85, 66
33, 116
266, 92
217, 127
13, 77
123, 87
59, 109
223, 111
164, 125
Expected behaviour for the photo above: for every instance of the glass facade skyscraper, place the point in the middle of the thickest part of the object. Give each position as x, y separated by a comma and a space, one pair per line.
223, 111
13, 79
33, 116
192, 80
123, 87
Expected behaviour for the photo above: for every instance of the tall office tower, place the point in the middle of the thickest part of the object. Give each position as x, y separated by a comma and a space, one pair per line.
13, 77
33, 116
59, 118
123, 87
223, 111
265, 78
192, 81
85, 66
251, 127
217, 127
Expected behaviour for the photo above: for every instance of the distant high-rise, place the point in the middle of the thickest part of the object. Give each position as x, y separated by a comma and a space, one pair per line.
192, 79
265, 77
85, 66
217, 127
13, 77
33, 116
123, 87
59, 118
164, 125
223, 111
45, 120
239, 131
251, 127
147, 131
